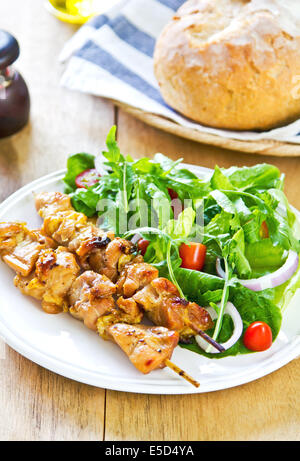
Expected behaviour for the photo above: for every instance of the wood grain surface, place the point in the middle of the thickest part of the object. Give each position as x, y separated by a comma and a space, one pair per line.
36, 404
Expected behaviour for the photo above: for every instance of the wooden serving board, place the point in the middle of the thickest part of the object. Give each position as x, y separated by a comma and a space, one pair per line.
263, 147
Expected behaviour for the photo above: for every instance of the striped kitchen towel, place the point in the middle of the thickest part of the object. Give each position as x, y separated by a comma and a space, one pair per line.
111, 56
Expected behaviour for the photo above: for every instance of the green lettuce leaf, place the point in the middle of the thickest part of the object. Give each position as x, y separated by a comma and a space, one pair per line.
258, 176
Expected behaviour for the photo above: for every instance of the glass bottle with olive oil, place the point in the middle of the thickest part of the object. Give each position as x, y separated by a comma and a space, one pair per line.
78, 11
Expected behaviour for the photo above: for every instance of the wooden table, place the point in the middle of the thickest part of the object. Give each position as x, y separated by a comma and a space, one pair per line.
36, 404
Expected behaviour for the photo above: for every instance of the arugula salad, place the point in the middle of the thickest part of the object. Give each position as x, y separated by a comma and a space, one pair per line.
229, 241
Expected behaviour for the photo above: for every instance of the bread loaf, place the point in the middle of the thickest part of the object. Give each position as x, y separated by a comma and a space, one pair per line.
232, 64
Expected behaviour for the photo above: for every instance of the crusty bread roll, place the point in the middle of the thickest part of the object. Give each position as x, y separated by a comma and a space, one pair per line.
232, 64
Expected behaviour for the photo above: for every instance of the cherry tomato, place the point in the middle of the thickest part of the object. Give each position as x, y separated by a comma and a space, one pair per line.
264, 231
258, 336
143, 245
87, 178
192, 255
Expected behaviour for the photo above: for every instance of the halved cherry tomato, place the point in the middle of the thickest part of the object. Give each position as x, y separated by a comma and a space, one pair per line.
192, 255
87, 178
258, 336
143, 245
264, 231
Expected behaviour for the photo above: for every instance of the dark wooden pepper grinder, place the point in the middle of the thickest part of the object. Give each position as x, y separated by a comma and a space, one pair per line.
14, 95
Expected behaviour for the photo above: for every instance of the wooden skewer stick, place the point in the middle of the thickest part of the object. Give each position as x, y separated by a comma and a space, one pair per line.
181, 373
209, 339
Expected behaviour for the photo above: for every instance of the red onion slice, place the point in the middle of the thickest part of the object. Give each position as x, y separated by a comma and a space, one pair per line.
231, 310
273, 280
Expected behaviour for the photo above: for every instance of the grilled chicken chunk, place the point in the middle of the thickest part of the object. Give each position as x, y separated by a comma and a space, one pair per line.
146, 347
49, 203
20, 247
134, 277
111, 260
90, 297
125, 311
55, 271
11, 233
163, 305
97, 250
131, 308
63, 226
69, 228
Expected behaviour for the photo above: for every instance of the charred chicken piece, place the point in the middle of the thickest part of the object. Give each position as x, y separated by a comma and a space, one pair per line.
54, 274
90, 297
97, 250
20, 247
69, 228
134, 277
147, 348
111, 260
162, 304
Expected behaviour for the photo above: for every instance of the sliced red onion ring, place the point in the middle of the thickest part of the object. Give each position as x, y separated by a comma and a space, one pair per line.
231, 310
273, 280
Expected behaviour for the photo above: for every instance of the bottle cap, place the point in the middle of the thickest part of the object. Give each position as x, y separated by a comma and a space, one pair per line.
9, 49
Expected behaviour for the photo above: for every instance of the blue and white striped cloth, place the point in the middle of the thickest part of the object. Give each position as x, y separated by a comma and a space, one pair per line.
111, 56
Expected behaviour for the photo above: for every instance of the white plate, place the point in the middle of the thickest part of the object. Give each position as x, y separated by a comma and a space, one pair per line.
64, 345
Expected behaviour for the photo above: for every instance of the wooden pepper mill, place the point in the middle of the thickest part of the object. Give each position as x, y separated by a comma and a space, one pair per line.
14, 95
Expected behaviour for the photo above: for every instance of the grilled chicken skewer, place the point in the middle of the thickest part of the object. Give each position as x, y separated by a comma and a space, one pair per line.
54, 279
148, 348
115, 259
108, 256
